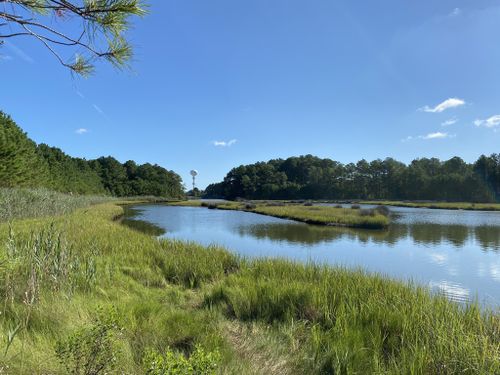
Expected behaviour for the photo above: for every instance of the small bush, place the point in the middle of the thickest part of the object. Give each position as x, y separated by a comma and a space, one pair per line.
338, 206
355, 207
91, 350
200, 362
250, 206
367, 212
308, 204
383, 210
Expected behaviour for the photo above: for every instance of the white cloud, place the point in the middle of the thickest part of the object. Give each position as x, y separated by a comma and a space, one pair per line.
224, 143
436, 135
441, 107
80, 94
81, 131
456, 12
449, 122
491, 122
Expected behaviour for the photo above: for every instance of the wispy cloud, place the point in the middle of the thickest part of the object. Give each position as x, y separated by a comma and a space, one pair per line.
19, 52
449, 122
98, 109
5, 57
80, 94
455, 12
492, 122
81, 131
435, 135
441, 107
224, 143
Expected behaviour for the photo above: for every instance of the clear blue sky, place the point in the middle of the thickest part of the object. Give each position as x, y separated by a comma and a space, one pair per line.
219, 83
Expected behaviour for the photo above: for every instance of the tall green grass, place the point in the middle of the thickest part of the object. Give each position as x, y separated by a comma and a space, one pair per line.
29, 203
177, 301
352, 322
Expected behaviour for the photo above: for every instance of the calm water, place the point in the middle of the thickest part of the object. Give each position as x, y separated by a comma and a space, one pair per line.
455, 252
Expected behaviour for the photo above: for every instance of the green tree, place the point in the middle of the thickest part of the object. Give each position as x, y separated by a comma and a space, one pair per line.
20, 162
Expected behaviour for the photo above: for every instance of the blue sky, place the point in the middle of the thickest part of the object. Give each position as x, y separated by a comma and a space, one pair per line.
220, 83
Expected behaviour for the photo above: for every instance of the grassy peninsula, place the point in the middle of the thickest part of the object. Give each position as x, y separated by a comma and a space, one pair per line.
468, 206
306, 213
79, 289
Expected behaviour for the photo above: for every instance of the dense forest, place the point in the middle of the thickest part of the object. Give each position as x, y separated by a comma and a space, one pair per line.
23, 163
309, 177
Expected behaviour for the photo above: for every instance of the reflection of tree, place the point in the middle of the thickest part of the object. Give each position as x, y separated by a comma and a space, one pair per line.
426, 234
435, 234
308, 234
488, 237
144, 227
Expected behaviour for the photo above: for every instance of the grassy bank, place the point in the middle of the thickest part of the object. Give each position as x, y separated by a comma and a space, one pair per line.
29, 203
81, 290
441, 205
318, 215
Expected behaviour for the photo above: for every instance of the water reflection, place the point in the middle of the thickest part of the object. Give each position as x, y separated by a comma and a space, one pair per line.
488, 237
128, 219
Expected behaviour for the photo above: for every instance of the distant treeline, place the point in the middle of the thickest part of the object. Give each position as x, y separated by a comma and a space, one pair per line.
23, 163
309, 177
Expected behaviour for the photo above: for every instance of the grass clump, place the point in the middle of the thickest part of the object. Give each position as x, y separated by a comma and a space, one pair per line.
193, 265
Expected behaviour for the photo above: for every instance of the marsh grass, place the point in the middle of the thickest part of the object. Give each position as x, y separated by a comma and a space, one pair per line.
30, 203
168, 294
360, 323
306, 212
441, 205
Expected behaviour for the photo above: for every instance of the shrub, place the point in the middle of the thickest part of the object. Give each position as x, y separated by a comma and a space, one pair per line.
355, 207
174, 363
366, 212
383, 210
308, 204
91, 350
250, 206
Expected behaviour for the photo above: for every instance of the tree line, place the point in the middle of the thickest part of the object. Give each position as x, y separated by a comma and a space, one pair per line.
23, 163
310, 177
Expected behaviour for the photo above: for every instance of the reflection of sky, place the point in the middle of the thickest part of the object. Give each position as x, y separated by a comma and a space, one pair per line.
451, 258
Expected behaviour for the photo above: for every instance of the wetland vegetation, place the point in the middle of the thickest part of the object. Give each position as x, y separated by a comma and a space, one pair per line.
376, 218
76, 284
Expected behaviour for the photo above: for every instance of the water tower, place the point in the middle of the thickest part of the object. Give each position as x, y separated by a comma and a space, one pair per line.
194, 173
